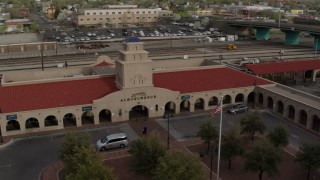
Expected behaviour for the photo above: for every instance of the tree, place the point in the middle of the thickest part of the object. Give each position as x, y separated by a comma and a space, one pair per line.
263, 157
231, 147
146, 153
205, 21
176, 17
197, 25
34, 26
3, 28
309, 157
279, 137
81, 161
20, 26
177, 165
251, 123
207, 132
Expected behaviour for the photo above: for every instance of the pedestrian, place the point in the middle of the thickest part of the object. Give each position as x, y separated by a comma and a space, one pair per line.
66, 64
145, 129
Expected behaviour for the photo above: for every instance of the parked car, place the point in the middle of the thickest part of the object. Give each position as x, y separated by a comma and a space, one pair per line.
239, 108
118, 140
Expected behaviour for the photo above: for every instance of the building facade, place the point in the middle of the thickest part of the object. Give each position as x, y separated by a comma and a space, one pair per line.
134, 87
120, 15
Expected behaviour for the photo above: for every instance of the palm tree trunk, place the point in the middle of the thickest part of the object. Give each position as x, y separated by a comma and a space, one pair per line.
208, 149
252, 136
260, 174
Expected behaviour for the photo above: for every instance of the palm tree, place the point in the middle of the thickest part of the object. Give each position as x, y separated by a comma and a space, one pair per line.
263, 157
251, 123
309, 157
207, 132
231, 147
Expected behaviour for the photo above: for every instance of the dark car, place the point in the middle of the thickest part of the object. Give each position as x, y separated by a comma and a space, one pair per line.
239, 108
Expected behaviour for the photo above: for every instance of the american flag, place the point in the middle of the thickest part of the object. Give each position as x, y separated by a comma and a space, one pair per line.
216, 110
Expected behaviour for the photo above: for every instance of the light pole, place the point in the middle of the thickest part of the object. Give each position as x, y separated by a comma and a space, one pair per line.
221, 58
42, 67
219, 145
204, 51
279, 18
316, 46
211, 158
167, 115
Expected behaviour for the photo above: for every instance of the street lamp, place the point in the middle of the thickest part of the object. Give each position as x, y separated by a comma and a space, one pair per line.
281, 52
204, 51
316, 46
221, 58
211, 158
168, 114
41, 53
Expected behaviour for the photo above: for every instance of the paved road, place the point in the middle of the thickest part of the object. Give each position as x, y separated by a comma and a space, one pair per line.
24, 159
183, 128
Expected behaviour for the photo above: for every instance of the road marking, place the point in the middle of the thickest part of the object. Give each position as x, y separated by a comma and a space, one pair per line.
7, 165
295, 136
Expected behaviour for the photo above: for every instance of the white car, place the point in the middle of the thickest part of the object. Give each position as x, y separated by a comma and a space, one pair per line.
112, 141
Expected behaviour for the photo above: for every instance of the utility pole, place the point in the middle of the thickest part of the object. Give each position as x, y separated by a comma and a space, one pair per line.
42, 59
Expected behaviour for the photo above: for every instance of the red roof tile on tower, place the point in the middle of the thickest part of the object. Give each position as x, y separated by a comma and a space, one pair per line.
104, 64
280, 67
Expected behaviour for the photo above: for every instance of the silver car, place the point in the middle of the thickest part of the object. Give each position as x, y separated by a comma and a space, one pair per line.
112, 141
239, 108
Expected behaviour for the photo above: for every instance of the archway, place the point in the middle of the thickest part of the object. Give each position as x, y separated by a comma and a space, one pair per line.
32, 123
291, 112
199, 104
170, 107
239, 98
303, 118
316, 123
50, 121
184, 106
69, 120
308, 74
270, 103
87, 118
227, 99
105, 116
13, 125
280, 107
213, 101
251, 97
139, 112
260, 99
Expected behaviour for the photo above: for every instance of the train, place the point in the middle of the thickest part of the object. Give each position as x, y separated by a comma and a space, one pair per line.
308, 20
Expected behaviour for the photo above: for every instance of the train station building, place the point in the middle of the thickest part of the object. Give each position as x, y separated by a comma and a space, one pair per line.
129, 88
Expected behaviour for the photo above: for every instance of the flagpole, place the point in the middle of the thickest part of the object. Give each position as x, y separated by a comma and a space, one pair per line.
219, 145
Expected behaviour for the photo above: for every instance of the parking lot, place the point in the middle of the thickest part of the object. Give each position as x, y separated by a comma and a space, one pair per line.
89, 34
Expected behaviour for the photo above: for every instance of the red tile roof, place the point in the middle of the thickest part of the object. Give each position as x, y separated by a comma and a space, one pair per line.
205, 80
104, 64
54, 94
280, 67
78, 92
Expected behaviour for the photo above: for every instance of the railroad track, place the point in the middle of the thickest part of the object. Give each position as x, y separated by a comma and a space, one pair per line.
211, 52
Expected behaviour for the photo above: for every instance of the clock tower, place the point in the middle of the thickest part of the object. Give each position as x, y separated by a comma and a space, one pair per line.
134, 68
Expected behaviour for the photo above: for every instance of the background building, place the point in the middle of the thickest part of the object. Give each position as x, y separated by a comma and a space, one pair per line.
120, 15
